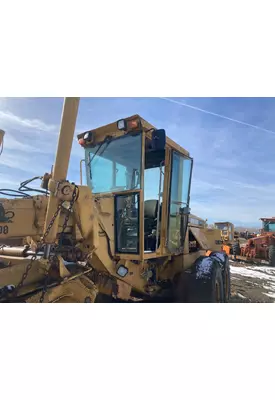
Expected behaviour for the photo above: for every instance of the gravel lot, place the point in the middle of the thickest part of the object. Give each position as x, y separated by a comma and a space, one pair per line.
252, 283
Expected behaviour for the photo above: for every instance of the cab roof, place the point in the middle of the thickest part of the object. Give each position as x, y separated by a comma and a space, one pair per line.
112, 128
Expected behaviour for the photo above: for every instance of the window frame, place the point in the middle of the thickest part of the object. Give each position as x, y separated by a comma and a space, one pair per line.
89, 154
116, 196
184, 156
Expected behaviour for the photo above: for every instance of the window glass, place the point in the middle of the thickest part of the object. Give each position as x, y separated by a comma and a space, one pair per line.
269, 226
127, 223
179, 197
115, 165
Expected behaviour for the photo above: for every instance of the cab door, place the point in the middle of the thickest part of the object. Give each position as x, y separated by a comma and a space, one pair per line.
178, 214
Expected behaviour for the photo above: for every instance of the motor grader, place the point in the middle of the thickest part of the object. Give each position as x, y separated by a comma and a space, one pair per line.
124, 237
229, 237
213, 235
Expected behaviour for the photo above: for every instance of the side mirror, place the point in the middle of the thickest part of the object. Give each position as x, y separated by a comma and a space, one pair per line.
155, 153
158, 139
184, 210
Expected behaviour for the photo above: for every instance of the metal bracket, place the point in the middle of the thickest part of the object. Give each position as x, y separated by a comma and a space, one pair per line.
63, 190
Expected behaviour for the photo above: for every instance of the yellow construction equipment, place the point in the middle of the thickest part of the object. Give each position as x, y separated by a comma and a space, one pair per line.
229, 237
125, 236
197, 221
213, 235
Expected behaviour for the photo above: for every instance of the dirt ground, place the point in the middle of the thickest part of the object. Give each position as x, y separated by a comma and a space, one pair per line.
252, 283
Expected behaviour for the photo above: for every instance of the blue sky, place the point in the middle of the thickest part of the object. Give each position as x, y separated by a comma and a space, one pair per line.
233, 176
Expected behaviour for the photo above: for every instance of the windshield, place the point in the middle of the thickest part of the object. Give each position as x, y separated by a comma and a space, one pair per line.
114, 166
269, 226
195, 221
222, 227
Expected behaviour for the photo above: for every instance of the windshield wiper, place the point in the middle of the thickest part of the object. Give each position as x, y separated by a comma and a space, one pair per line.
107, 142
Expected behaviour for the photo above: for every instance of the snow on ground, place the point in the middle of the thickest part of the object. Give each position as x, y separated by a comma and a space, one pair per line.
255, 272
262, 277
270, 294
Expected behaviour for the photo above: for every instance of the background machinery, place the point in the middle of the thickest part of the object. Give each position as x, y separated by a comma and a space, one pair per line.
115, 239
229, 237
262, 247
213, 235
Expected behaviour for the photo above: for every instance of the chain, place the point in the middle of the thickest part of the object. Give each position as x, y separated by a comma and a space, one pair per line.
74, 196
34, 257
50, 224
24, 276
45, 288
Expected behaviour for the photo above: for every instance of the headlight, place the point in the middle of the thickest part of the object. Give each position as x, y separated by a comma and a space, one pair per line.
121, 125
87, 137
122, 271
129, 124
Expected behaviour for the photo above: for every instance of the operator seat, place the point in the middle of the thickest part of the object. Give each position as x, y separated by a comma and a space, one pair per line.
150, 214
150, 223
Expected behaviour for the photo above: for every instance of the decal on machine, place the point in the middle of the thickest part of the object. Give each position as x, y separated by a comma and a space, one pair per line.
6, 218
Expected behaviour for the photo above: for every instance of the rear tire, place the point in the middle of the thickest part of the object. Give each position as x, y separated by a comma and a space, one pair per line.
224, 261
227, 283
271, 255
208, 289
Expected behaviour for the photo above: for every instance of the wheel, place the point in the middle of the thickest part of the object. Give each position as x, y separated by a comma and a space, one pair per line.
224, 261
236, 249
227, 283
271, 255
207, 282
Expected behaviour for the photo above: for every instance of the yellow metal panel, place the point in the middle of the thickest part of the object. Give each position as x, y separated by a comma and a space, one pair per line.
200, 237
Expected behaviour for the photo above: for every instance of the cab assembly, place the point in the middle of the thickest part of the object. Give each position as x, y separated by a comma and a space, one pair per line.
124, 236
